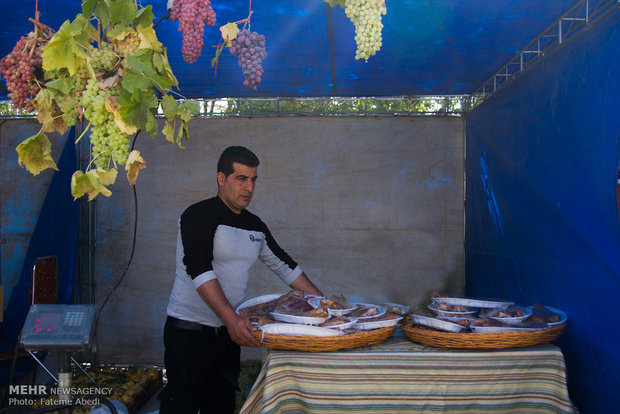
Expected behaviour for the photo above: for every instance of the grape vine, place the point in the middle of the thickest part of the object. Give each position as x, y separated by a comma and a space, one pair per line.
106, 67
192, 16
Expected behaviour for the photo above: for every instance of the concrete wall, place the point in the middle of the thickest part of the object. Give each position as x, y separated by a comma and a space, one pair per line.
371, 208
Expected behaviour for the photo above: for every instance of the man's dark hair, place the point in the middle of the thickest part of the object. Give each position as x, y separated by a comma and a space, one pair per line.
238, 154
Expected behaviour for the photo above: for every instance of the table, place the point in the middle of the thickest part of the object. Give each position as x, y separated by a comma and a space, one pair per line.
399, 376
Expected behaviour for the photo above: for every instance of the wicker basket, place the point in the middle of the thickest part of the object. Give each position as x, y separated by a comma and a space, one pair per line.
323, 343
486, 340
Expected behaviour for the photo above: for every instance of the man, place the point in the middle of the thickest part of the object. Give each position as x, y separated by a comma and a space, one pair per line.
217, 244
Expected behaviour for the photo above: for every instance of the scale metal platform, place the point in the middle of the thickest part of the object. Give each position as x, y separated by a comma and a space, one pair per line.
59, 327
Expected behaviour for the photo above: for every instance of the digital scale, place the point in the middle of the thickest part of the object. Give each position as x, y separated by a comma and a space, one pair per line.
63, 329
59, 327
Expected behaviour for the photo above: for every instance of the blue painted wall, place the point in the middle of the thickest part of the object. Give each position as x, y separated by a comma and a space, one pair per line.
541, 207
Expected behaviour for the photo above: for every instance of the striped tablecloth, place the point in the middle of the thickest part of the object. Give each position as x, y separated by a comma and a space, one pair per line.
400, 376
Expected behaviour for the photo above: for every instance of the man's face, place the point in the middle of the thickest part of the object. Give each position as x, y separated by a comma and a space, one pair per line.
237, 189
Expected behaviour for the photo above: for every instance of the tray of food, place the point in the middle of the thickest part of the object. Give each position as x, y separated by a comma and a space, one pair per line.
437, 323
336, 305
481, 340
503, 327
339, 322
470, 302
385, 320
550, 315
366, 310
444, 309
295, 321
390, 307
511, 314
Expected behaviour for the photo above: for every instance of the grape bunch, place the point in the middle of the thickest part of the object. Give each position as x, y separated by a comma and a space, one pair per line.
192, 15
108, 141
366, 16
22, 68
102, 59
249, 48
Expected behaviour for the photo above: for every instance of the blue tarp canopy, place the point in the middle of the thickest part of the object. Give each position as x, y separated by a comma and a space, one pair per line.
430, 47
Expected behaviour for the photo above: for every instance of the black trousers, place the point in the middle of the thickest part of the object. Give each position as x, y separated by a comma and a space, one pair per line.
202, 368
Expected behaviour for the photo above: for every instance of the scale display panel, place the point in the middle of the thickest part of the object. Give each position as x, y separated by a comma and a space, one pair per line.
59, 327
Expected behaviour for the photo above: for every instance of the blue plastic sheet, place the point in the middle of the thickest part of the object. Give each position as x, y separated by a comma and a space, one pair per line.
541, 207
55, 234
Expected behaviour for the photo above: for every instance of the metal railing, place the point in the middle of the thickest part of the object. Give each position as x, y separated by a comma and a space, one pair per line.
579, 17
453, 105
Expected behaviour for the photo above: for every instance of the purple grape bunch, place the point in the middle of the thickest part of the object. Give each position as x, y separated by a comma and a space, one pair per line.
192, 16
249, 48
22, 70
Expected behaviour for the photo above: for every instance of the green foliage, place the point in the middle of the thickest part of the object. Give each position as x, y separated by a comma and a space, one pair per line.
112, 43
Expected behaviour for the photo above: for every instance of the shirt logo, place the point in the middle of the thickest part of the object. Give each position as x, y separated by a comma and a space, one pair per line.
255, 239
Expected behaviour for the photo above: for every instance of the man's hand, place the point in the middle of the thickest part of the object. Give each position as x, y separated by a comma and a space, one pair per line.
239, 328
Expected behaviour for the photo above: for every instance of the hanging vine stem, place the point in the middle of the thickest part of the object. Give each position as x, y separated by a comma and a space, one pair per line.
220, 47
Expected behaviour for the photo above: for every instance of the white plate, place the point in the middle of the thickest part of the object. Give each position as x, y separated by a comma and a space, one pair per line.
516, 319
316, 302
474, 303
437, 323
377, 324
258, 300
345, 325
381, 310
451, 313
563, 316
304, 320
456, 319
500, 328
295, 329
402, 309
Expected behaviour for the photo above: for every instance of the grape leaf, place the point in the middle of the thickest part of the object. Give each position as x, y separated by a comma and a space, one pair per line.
229, 32
122, 12
47, 114
168, 131
44, 104
112, 106
148, 38
35, 153
193, 106
139, 111
56, 123
174, 110
135, 163
169, 106
88, 6
141, 65
64, 49
144, 16
160, 63
92, 183
61, 85
102, 12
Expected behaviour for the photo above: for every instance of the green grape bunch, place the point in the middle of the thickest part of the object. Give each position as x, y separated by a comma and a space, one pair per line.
109, 142
366, 16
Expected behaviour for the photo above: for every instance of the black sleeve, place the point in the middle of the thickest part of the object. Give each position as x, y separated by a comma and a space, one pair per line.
197, 233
